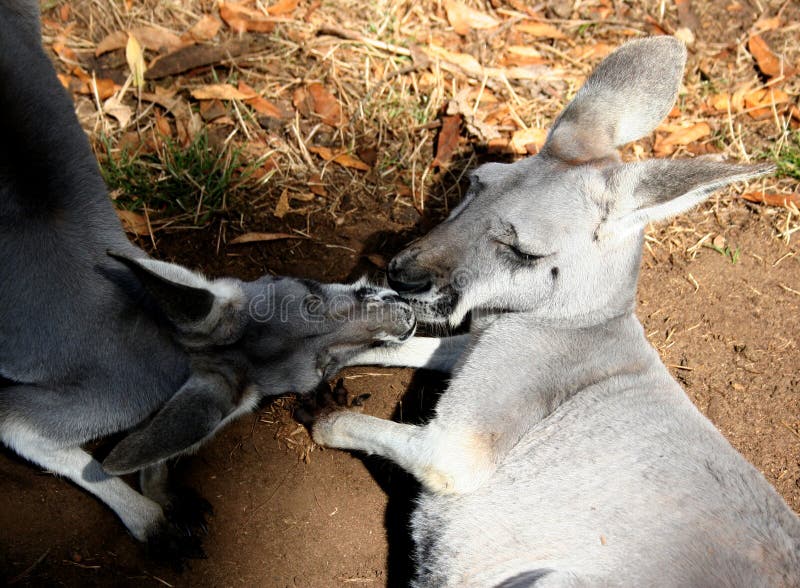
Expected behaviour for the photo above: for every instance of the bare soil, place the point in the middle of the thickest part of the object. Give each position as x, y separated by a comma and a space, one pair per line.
288, 514
729, 333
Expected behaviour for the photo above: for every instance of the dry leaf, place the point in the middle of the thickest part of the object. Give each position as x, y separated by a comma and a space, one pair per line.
680, 136
539, 29
133, 222
768, 24
261, 104
316, 186
282, 7
162, 124
769, 63
221, 92
463, 18
447, 141
135, 58
204, 29
341, 157
64, 53
115, 108
283, 207
151, 37
242, 19
772, 199
528, 141
256, 237
523, 55
326, 106
104, 87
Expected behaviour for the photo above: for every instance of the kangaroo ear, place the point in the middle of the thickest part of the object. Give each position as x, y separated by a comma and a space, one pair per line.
189, 417
656, 189
195, 305
625, 98
180, 293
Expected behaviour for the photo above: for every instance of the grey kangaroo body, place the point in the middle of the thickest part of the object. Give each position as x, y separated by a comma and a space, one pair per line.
97, 338
562, 452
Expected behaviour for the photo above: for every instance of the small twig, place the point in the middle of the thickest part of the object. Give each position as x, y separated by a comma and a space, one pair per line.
24, 573
353, 36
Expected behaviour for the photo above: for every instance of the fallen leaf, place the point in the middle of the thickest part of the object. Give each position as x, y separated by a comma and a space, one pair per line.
447, 142
769, 63
133, 222
316, 186
64, 53
666, 145
326, 106
528, 141
463, 18
523, 55
261, 104
463, 104
256, 237
157, 38
115, 108
768, 24
152, 38
341, 157
539, 29
162, 124
204, 29
242, 19
765, 98
771, 199
104, 87
135, 58
220, 92
211, 110
282, 7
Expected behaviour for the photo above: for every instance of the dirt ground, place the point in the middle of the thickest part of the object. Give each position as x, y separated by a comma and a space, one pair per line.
288, 514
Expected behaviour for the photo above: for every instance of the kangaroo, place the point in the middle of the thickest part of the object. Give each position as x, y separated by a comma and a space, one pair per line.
562, 452
97, 338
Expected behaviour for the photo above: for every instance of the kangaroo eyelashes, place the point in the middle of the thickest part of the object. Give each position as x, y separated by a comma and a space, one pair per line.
520, 254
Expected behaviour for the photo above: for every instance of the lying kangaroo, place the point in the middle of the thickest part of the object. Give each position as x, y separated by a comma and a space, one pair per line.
563, 453
95, 337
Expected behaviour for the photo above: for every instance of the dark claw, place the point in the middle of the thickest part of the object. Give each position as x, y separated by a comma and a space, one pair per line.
324, 401
172, 545
188, 511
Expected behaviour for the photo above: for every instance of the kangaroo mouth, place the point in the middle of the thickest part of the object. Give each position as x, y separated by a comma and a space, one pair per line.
434, 305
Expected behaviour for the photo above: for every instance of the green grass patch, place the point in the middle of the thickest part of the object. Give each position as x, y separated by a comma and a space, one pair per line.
174, 180
788, 160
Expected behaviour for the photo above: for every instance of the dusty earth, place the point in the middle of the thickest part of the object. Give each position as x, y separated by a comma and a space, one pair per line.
288, 514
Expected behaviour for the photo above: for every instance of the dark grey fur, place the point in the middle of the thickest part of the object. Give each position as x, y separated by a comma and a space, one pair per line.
93, 344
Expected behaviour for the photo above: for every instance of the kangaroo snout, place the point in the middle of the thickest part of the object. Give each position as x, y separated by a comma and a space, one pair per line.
406, 276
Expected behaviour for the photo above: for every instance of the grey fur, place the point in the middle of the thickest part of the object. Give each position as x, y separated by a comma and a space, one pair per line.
562, 441
97, 338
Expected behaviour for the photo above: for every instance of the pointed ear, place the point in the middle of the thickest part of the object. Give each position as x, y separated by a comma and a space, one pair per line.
195, 305
180, 293
625, 98
189, 417
656, 189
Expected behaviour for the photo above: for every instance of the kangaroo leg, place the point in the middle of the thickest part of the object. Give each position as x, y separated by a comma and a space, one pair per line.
444, 461
432, 353
182, 506
142, 516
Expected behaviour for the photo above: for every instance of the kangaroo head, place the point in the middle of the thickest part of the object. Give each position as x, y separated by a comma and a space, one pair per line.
559, 234
270, 318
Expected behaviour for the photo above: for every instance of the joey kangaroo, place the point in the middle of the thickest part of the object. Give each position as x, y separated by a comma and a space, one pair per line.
97, 338
562, 452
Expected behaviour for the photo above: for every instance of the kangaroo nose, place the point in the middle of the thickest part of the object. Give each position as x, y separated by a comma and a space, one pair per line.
402, 282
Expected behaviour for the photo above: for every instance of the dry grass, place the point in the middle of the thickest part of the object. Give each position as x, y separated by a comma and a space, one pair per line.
377, 59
